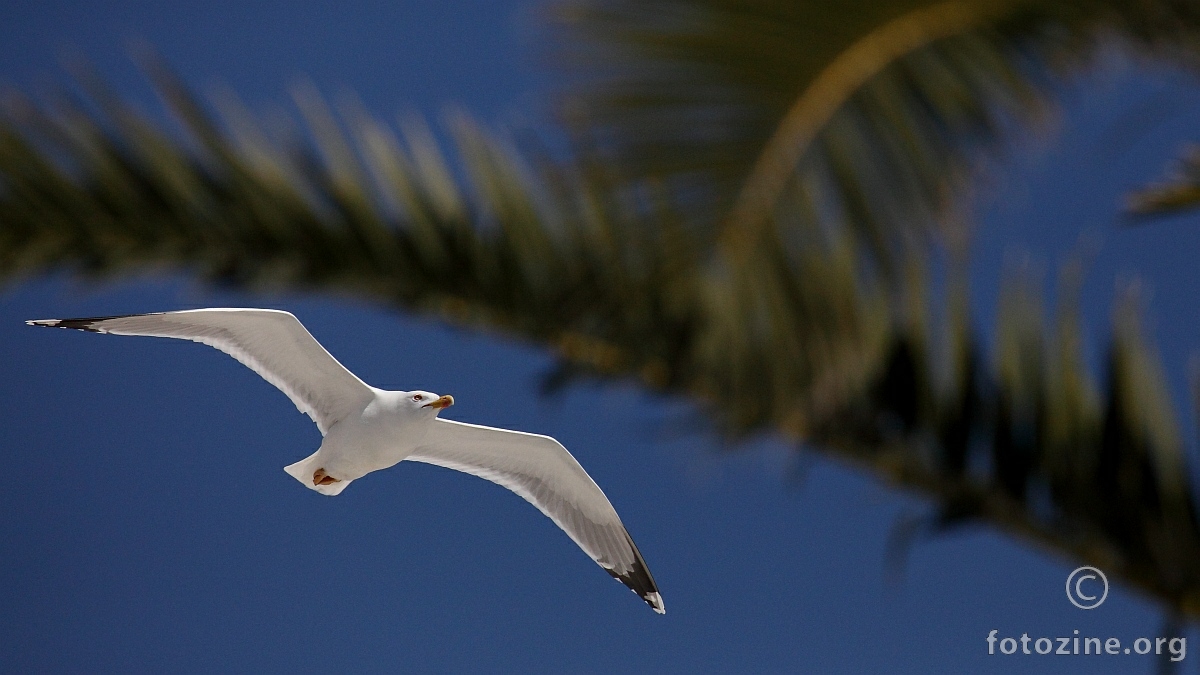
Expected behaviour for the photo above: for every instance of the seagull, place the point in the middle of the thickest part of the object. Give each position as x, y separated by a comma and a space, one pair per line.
367, 429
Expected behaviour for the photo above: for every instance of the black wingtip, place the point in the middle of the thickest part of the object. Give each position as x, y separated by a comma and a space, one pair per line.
77, 324
639, 580
88, 324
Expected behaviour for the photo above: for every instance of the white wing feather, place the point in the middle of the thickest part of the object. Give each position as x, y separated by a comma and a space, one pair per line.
272, 343
539, 469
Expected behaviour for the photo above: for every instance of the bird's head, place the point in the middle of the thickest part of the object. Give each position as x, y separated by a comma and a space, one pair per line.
424, 400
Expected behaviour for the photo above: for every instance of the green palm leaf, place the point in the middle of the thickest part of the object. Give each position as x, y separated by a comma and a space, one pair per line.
1178, 191
891, 104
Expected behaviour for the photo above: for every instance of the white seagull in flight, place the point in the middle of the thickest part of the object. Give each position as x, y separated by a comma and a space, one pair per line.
367, 429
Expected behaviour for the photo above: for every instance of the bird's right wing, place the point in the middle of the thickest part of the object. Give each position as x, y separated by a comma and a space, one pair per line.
270, 342
539, 469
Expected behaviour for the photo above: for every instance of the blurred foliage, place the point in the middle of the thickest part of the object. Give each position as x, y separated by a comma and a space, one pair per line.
758, 202
882, 108
1178, 191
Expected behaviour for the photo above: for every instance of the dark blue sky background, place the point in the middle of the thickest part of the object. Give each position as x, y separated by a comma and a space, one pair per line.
147, 525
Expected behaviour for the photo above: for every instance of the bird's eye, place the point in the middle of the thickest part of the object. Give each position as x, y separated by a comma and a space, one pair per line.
418, 397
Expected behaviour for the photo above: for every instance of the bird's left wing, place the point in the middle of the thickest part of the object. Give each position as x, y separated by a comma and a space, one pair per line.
539, 469
270, 342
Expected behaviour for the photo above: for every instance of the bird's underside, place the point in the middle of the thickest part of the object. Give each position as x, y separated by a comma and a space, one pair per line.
322, 478
276, 346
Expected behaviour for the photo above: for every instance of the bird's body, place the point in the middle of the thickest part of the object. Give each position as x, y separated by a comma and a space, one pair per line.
366, 429
384, 433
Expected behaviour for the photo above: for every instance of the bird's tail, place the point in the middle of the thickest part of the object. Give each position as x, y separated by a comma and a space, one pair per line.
303, 471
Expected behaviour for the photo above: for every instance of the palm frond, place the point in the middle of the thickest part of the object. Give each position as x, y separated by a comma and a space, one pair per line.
1178, 191
896, 104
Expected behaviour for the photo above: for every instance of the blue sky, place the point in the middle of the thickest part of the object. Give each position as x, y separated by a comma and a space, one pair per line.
148, 525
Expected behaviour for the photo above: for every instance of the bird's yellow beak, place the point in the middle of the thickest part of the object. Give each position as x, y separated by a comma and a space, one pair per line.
443, 402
